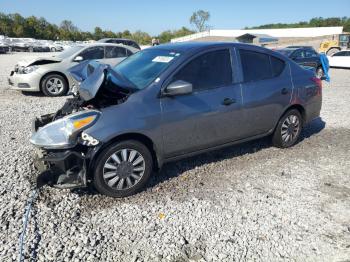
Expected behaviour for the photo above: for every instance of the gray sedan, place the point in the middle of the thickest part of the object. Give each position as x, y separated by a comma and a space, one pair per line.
169, 102
50, 74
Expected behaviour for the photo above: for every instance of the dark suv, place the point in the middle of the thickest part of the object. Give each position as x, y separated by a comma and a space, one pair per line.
170, 102
121, 41
304, 56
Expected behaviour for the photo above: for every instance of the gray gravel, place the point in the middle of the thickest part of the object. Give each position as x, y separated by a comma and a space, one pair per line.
248, 202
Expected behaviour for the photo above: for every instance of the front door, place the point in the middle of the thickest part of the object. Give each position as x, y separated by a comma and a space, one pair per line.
209, 116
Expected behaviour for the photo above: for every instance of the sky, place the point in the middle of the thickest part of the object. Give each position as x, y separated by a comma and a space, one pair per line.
155, 16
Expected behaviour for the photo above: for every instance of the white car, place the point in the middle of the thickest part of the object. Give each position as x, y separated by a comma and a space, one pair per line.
50, 74
340, 59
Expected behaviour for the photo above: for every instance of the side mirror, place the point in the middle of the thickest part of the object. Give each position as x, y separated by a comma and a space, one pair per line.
78, 59
177, 88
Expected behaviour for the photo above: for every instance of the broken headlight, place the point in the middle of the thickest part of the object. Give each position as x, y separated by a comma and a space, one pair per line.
63, 132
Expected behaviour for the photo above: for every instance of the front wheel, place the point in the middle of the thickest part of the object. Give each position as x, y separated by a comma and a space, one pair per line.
123, 169
54, 85
288, 129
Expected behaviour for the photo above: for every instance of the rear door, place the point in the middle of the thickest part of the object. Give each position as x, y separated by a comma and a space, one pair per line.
203, 119
266, 90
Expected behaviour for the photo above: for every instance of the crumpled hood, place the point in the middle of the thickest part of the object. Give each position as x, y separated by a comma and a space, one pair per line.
88, 77
91, 76
39, 61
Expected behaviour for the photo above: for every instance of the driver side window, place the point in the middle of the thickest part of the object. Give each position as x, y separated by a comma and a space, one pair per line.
91, 53
207, 71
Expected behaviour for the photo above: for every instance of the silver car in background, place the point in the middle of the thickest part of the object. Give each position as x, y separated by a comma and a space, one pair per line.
50, 74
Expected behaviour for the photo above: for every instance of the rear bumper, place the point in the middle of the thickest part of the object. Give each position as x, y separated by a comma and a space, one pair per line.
313, 109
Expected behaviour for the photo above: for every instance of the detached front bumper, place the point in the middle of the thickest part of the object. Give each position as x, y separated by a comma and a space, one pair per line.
62, 169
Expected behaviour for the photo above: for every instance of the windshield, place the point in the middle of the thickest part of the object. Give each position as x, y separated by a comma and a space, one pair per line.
70, 51
286, 52
144, 67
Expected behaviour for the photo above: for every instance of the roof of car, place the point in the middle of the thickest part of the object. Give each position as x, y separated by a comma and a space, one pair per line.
186, 46
288, 48
121, 39
104, 44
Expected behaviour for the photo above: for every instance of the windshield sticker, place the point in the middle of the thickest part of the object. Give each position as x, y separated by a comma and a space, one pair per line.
163, 59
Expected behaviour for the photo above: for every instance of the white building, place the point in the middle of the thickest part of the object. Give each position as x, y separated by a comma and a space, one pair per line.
287, 33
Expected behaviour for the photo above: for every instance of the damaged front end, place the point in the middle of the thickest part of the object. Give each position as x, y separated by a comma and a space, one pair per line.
63, 144
63, 149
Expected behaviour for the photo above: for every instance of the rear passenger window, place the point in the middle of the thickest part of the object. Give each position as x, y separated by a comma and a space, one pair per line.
277, 66
115, 52
210, 70
256, 66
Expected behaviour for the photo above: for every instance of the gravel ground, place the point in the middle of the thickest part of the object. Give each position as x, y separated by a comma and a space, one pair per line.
248, 202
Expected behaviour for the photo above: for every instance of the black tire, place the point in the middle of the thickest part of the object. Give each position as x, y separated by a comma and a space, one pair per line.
103, 159
319, 72
62, 87
279, 135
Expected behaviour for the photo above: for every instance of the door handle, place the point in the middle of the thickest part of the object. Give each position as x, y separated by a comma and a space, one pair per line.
228, 101
284, 91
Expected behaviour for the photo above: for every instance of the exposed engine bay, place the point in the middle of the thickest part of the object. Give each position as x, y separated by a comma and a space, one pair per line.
98, 86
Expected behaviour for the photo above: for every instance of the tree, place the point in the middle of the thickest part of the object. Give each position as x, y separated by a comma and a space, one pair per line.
142, 37
68, 26
98, 33
199, 19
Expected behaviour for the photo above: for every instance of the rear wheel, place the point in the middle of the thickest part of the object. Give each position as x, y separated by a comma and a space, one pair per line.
123, 169
288, 129
54, 85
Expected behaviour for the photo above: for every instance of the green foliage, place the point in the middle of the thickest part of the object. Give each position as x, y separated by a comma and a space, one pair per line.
166, 36
199, 19
314, 22
14, 25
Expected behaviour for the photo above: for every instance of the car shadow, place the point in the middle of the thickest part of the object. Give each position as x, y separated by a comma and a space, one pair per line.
40, 94
37, 94
175, 169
